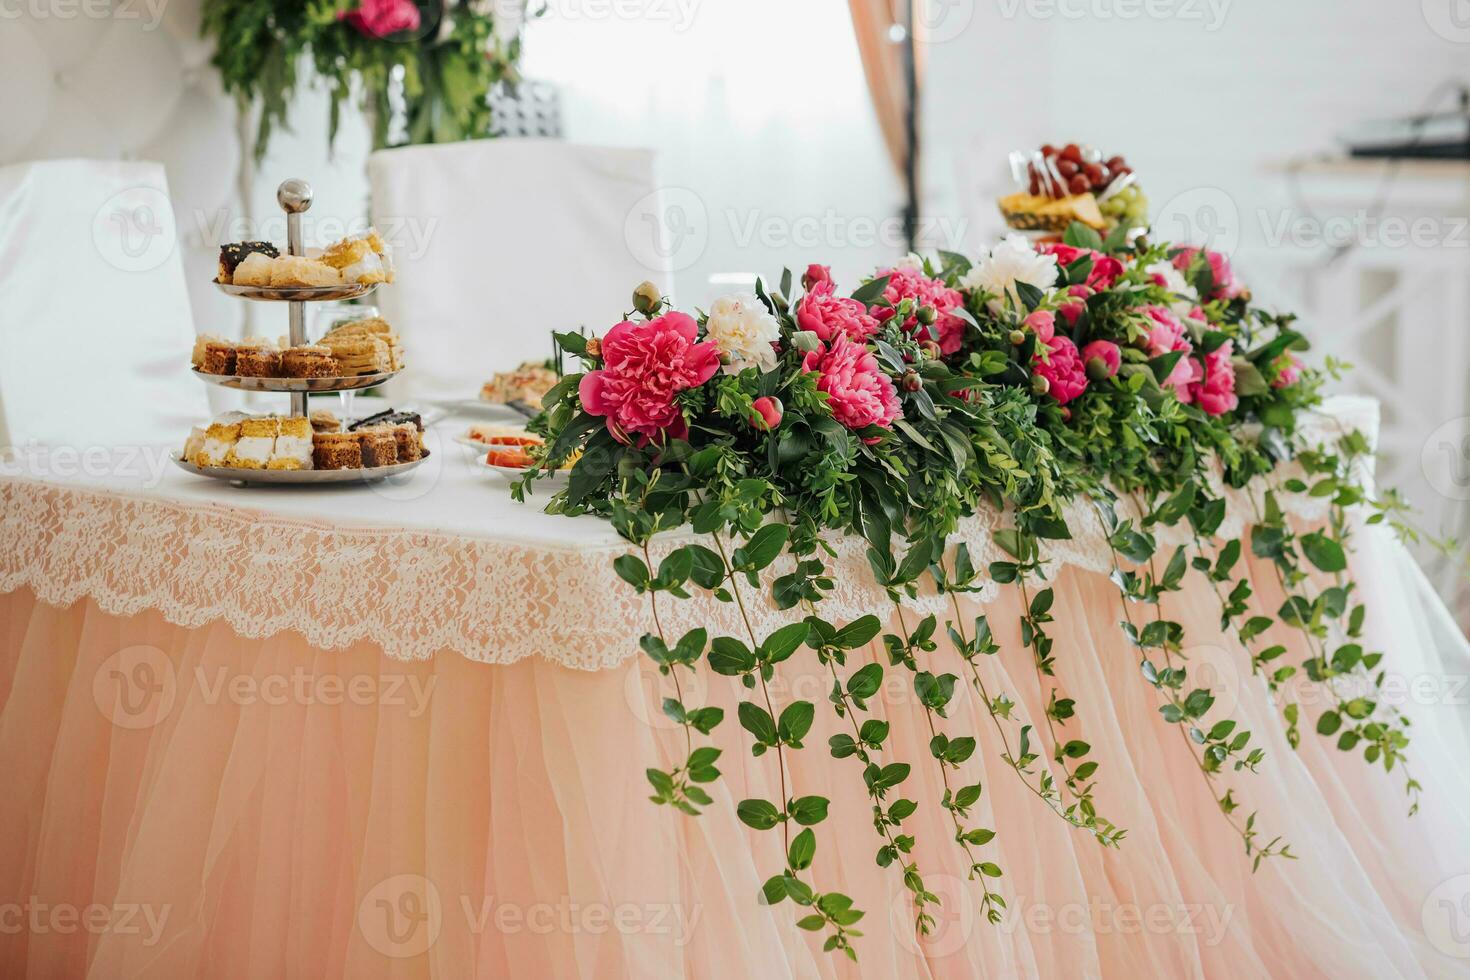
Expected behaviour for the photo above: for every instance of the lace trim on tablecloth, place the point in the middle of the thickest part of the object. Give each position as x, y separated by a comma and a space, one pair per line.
417, 593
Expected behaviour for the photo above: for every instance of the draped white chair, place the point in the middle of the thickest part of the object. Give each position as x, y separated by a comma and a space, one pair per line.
95, 326
499, 242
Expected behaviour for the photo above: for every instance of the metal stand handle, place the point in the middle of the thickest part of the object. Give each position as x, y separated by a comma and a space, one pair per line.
294, 196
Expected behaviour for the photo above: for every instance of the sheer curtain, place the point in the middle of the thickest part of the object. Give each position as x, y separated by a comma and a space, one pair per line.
769, 150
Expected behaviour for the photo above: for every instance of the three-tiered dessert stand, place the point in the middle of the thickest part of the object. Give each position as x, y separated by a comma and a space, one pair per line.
294, 196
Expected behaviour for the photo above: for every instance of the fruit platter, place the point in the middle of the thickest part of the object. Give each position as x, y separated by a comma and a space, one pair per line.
1074, 182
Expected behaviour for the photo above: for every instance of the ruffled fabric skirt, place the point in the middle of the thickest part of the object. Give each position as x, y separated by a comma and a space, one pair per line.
187, 803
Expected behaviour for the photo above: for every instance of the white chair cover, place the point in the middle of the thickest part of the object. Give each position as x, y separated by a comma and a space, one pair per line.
95, 328
499, 242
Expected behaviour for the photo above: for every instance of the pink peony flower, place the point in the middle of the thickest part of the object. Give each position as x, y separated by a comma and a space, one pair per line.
1288, 370
767, 413
858, 391
1168, 334
1226, 285
827, 315
382, 18
1106, 355
1212, 385
906, 282
644, 365
1043, 322
1058, 362
814, 274
1105, 269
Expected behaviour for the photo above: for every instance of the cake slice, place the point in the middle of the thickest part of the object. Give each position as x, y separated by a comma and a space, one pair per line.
257, 442
293, 450
218, 357
257, 359
360, 355
336, 451
308, 361
298, 270
254, 270
231, 256
219, 439
379, 446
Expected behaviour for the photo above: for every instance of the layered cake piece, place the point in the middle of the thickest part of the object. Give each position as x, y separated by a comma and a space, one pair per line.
308, 361
233, 255
336, 451
324, 421
379, 445
359, 355
254, 270
407, 429
219, 440
257, 359
218, 357
293, 449
257, 442
363, 258
298, 270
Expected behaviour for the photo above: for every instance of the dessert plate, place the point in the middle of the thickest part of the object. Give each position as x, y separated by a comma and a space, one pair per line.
555, 480
295, 384
347, 290
241, 477
475, 406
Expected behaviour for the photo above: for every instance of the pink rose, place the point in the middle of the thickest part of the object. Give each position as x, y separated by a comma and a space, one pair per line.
814, 274
905, 282
827, 315
1043, 322
644, 365
767, 413
1168, 334
382, 18
1058, 362
1212, 384
1102, 358
1226, 285
1287, 370
1105, 269
858, 392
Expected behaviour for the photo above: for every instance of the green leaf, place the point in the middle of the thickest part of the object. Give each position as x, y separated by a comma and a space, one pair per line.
864, 683
796, 721
762, 548
803, 849
808, 810
870, 292
1079, 235
757, 721
1329, 723
857, 633
1323, 552
759, 814
730, 657
783, 643
631, 569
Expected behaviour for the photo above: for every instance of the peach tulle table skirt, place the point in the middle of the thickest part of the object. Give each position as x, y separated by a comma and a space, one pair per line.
184, 802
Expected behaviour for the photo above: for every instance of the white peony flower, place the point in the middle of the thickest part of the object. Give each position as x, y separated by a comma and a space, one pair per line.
1011, 261
910, 261
1174, 280
743, 329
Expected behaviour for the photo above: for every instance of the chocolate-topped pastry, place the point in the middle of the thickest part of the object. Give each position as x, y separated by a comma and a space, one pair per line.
233, 254
390, 417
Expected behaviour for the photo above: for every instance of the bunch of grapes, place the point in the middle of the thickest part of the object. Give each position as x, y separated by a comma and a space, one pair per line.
1127, 207
1081, 168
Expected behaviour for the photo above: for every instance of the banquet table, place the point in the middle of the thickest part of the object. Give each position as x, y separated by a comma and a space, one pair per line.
400, 730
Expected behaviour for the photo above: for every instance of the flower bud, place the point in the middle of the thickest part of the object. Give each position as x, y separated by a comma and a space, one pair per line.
646, 298
926, 315
1097, 369
911, 381
931, 349
1039, 384
767, 413
1017, 338
814, 274
806, 341
594, 347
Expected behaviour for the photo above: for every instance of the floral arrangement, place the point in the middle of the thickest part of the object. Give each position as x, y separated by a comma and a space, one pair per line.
1135, 376
434, 61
